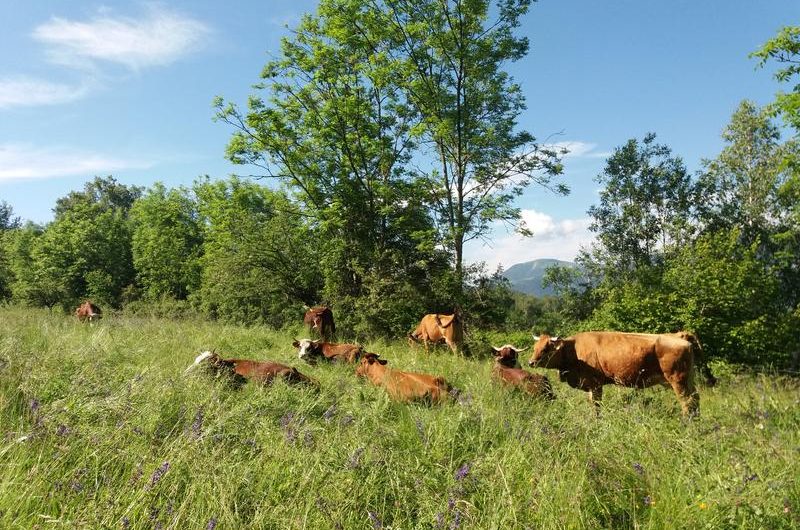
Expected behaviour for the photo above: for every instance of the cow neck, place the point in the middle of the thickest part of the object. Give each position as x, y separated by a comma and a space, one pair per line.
377, 372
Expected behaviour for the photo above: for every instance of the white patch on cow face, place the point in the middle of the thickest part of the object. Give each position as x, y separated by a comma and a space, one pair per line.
302, 350
199, 359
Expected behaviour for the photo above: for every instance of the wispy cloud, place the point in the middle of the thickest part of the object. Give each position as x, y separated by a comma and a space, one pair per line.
25, 162
559, 239
578, 149
159, 38
27, 92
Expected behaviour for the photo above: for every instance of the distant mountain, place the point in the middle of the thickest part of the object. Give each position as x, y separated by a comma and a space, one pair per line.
527, 277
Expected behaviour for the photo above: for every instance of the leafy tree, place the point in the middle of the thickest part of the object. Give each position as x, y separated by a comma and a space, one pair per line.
259, 257
645, 207
452, 55
86, 250
28, 286
166, 244
8, 221
739, 187
784, 49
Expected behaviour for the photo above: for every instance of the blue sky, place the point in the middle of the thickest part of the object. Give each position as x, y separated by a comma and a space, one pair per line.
125, 88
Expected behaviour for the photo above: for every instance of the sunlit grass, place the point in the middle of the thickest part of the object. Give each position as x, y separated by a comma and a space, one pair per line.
101, 430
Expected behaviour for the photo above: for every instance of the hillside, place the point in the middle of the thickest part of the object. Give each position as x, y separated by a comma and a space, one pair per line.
527, 277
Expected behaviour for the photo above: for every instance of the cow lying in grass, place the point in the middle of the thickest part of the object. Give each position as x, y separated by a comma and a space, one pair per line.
402, 386
506, 370
242, 370
312, 350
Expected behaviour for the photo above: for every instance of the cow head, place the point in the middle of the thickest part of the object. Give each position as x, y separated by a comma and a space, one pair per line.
507, 355
207, 358
308, 349
547, 351
367, 361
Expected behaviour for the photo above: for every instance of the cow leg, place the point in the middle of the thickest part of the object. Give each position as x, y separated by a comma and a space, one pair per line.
687, 396
595, 396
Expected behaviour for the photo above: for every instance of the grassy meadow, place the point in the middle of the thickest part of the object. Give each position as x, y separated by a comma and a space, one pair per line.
100, 429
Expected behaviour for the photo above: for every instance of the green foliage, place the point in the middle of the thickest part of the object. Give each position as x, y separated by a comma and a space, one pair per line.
259, 261
644, 208
102, 431
86, 250
167, 239
784, 49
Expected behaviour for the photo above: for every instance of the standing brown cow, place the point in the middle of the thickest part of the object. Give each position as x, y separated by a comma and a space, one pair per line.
435, 327
88, 311
320, 319
507, 371
590, 360
402, 386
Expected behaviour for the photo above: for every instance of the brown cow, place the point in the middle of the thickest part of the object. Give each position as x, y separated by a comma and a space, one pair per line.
436, 328
240, 370
590, 360
699, 355
311, 350
506, 370
88, 311
320, 318
402, 386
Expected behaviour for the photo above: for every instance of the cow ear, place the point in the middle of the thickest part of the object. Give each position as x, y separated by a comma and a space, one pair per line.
296, 343
382, 361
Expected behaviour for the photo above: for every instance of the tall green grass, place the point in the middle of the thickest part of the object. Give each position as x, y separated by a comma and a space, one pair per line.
100, 429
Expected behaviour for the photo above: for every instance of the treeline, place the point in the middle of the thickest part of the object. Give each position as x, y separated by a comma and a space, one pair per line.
387, 132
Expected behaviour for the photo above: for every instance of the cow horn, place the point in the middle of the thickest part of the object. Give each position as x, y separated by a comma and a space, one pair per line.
520, 349
496, 349
536, 337
554, 339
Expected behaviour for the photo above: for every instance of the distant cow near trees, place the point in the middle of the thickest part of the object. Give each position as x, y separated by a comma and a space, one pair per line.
320, 319
88, 311
435, 328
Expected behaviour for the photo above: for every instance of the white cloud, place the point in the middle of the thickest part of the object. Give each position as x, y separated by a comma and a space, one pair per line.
26, 92
559, 239
25, 162
159, 38
578, 149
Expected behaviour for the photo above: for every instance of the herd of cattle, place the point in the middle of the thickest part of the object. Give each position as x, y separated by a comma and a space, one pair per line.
586, 361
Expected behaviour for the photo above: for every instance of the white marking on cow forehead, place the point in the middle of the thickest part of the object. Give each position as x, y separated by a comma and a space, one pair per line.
302, 350
202, 357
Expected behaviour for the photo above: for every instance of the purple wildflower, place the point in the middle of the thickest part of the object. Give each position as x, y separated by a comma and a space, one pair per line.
462, 472
451, 503
308, 439
456, 520
329, 413
376, 523
346, 420
355, 458
197, 424
647, 500
154, 511
439, 520
212, 524
126, 523
159, 473
751, 478
76, 486
421, 431
62, 430
34, 404
638, 467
